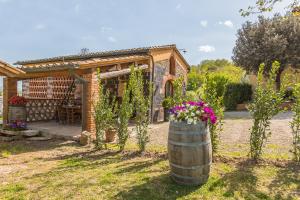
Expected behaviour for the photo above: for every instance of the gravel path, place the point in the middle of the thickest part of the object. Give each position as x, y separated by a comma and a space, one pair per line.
236, 130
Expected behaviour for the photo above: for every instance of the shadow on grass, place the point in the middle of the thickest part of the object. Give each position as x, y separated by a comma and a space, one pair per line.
23, 146
100, 170
158, 187
241, 182
287, 177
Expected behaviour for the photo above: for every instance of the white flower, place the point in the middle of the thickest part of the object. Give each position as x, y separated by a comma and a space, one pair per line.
189, 121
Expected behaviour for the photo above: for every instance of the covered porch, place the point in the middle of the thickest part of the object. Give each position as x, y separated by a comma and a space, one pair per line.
46, 96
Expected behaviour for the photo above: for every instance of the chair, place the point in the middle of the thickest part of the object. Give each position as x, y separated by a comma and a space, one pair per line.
62, 115
73, 114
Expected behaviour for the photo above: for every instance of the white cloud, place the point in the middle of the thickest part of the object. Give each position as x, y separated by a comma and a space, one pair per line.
206, 48
40, 26
178, 6
227, 23
112, 39
203, 23
105, 29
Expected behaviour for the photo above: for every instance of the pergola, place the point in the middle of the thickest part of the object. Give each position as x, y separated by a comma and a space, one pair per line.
84, 71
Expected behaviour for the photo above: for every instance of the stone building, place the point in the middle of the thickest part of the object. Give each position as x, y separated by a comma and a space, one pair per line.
50, 82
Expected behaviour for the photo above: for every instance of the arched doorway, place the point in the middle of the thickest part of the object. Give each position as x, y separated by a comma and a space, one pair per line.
169, 89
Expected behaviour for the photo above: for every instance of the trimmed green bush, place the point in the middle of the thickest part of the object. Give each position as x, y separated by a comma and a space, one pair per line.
237, 93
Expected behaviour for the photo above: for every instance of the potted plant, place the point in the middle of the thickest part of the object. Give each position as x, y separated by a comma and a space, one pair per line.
167, 104
110, 134
17, 112
189, 143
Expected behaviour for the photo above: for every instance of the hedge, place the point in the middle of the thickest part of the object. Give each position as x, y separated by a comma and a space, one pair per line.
237, 93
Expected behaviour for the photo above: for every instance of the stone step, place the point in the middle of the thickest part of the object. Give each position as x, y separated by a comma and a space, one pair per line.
39, 138
10, 138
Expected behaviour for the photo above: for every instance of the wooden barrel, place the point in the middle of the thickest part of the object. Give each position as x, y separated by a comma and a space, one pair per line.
17, 113
190, 152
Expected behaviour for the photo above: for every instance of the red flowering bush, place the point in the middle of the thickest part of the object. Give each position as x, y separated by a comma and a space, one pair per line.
17, 101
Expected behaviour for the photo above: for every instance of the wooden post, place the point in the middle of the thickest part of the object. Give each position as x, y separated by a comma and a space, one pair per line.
10, 89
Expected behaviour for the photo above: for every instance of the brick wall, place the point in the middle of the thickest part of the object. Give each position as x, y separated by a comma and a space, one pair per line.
91, 92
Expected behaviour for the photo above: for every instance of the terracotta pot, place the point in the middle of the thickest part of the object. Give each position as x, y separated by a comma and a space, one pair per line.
16, 113
241, 107
110, 135
166, 115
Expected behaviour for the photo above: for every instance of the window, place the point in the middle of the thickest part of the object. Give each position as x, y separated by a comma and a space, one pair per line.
172, 69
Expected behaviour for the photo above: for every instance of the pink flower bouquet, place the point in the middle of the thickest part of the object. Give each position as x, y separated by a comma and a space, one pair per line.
193, 112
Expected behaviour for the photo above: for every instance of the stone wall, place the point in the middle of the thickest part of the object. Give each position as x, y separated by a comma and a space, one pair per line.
161, 76
161, 69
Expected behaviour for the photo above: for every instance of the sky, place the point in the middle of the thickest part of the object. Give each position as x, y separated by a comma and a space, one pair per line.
33, 29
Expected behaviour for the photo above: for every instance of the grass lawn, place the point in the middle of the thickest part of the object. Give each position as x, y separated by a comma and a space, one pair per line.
65, 170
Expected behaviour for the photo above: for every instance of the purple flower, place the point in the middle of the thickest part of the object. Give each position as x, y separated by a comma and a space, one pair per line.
208, 110
213, 119
200, 103
192, 103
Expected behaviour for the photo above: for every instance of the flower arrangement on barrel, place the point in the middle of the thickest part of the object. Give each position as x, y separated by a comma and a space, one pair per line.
17, 113
189, 142
192, 112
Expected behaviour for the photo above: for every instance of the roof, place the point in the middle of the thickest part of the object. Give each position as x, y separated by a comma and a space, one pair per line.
101, 54
75, 64
8, 70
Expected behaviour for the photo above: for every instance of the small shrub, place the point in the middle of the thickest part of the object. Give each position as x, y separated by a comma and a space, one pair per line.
124, 114
191, 96
266, 104
237, 93
141, 103
289, 94
103, 113
178, 97
220, 82
295, 124
168, 103
208, 93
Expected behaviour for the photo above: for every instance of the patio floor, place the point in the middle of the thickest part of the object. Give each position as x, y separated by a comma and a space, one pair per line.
54, 129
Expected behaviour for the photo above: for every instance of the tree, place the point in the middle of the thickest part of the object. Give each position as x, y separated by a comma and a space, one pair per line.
266, 40
262, 6
218, 67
